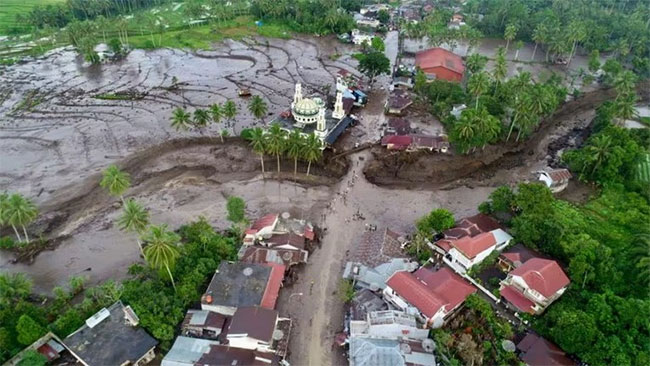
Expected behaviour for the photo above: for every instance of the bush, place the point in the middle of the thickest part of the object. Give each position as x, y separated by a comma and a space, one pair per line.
346, 291
33, 358
7, 243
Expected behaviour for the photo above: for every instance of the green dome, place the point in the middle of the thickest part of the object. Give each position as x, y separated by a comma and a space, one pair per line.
306, 107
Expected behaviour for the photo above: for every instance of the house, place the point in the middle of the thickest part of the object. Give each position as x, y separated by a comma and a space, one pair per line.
432, 296
396, 142
534, 285
263, 255
367, 351
48, 345
397, 126
378, 247
205, 324
403, 82
363, 21
364, 302
260, 329
397, 102
468, 251
374, 278
188, 351
359, 37
428, 142
391, 324
456, 21
537, 351
112, 337
516, 255
442, 64
557, 180
279, 231
238, 284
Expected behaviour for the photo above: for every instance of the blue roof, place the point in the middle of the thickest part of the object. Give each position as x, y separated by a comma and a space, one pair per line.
338, 130
348, 94
360, 93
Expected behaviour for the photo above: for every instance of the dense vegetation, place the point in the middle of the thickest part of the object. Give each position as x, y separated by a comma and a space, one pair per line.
25, 316
603, 244
561, 27
320, 17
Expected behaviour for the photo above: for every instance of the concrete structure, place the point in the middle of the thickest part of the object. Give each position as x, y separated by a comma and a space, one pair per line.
359, 37
442, 64
556, 180
48, 345
432, 296
259, 329
366, 351
237, 284
397, 102
533, 286
374, 278
515, 256
205, 324
365, 302
389, 324
112, 337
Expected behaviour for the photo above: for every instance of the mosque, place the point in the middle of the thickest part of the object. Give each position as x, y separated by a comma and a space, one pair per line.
311, 115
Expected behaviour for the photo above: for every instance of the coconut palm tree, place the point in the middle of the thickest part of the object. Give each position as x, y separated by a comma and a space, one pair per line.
181, 119
216, 112
521, 108
258, 143
539, 36
509, 34
115, 181
500, 66
478, 84
295, 147
257, 106
624, 108
201, 118
14, 287
487, 126
276, 142
518, 46
230, 111
161, 251
134, 219
599, 150
624, 83
312, 150
464, 132
475, 62
20, 212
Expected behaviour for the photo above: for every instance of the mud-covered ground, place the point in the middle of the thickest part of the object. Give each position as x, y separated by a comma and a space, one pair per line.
54, 132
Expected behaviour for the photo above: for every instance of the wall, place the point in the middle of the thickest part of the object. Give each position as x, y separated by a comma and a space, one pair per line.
444, 73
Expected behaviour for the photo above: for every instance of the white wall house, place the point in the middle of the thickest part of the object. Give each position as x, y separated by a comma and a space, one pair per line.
534, 285
391, 324
470, 251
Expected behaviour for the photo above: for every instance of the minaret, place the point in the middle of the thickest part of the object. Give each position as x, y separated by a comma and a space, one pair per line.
321, 128
297, 96
338, 107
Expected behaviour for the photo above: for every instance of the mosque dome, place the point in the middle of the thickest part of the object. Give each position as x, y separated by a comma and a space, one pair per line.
306, 107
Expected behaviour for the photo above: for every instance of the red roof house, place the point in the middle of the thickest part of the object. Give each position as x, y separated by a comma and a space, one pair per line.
273, 285
396, 142
445, 65
434, 294
541, 281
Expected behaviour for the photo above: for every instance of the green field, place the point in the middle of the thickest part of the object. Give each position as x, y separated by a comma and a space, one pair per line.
9, 9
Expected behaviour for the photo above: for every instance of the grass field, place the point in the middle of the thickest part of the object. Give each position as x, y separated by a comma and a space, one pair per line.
9, 9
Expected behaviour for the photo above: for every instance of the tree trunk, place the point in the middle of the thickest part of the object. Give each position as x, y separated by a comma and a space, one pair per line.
26, 236
262, 160
171, 277
221, 135
137, 240
518, 135
534, 51
277, 156
295, 167
507, 45
16, 231
548, 49
308, 167
517, 55
512, 125
477, 102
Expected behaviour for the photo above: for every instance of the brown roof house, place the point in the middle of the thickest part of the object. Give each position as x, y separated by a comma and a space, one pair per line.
237, 284
515, 256
556, 180
111, 337
533, 286
260, 329
397, 102
204, 324
537, 351
440, 64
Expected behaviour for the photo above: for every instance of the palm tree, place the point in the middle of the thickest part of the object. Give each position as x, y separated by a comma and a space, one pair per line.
181, 119
599, 150
115, 181
258, 143
14, 287
539, 36
500, 67
577, 33
313, 150
487, 126
464, 132
276, 142
161, 250
518, 46
509, 34
216, 112
624, 108
230, 111
20, 211
295, 147
624, 83
478, 84
258, 107
134, 219
522, 107
201, 118
475, 62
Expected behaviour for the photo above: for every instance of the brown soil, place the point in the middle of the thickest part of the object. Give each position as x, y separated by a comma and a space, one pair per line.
495, 164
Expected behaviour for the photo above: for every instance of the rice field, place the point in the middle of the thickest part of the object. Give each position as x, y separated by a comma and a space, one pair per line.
9, 9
